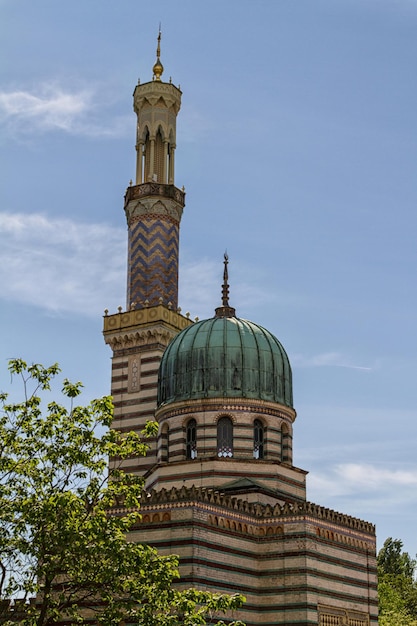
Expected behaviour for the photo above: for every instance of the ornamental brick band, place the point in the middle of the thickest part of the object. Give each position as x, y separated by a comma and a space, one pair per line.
135, 192
258, 510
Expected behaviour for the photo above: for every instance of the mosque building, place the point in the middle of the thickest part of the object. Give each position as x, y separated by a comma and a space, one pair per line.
223, 491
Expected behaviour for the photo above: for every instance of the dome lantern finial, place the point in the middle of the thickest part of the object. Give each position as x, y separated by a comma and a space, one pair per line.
225, 310
158, 68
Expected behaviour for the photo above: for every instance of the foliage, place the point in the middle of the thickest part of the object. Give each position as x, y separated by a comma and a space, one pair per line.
392, 560
397, 587
58, 542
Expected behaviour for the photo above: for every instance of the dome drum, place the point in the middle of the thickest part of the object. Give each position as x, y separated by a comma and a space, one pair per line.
202, 435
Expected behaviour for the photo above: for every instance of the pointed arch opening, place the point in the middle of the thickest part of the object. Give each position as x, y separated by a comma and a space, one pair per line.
145, 165
158, 174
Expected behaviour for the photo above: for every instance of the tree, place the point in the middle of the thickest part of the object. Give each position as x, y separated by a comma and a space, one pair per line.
397, 587
392, 560
58, 543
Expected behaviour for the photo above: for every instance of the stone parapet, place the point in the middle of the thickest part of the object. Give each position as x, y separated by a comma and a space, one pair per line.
257, 510
127, 324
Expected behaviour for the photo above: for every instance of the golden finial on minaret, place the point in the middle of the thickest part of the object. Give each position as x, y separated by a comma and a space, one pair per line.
158, 68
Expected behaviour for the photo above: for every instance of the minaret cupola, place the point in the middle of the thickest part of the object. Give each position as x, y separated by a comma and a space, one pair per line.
156, 105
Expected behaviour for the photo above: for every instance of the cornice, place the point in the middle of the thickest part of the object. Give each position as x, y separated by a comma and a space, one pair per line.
158, 190
168, 210
143, 326
226, 405
136, 339
153, 92
264, 513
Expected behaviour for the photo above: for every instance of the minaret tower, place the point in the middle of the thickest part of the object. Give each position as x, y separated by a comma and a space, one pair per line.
153, 207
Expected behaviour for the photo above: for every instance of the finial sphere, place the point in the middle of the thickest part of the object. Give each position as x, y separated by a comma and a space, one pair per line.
158, 68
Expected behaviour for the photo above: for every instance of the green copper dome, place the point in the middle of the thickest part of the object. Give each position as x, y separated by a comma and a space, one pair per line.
225, 357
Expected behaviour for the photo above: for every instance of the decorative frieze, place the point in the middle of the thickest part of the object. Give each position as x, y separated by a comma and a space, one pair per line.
143, 327
148, 190
137, 339
262, 407
156, 209
150, 93
304, 510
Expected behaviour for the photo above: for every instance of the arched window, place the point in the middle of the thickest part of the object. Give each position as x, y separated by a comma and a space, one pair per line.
258, 440
191, 439
146, 156
158, 173
225, 437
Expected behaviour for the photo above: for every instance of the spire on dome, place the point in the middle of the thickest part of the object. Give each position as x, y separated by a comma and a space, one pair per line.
158, 68
225, 310
225, 288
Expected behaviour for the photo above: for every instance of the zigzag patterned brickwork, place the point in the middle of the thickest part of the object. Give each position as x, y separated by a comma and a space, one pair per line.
153, 262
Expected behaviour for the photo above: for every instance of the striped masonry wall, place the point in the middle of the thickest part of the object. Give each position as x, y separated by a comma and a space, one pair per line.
138, 339
295, 565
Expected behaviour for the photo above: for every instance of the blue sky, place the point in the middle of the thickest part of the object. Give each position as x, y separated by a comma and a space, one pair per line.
297, 146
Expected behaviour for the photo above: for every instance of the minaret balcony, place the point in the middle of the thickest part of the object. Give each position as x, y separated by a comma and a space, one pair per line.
145, 190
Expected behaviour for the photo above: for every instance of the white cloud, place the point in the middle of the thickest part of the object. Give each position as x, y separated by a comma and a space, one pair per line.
386, 495
327, 359
61, 265
66, 266
369, 477
53, 108
50, 107
360, 479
